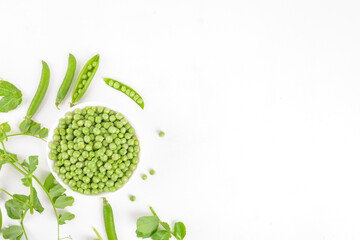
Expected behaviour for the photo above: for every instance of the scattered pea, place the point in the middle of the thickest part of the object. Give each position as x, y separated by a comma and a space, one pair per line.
152, 172
161, 134
132, 198
144, 177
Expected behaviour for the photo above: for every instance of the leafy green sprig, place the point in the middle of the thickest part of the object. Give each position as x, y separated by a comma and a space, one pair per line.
19, 205
149, 227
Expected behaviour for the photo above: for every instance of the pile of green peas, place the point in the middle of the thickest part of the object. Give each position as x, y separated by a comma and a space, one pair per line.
94, 150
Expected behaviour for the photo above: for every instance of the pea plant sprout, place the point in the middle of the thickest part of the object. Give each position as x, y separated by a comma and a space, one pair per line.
19, 205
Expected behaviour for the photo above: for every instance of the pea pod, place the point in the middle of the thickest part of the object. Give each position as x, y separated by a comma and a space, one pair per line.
40, 92
84, 79
125, 89
0, 219
66, 84
109, 220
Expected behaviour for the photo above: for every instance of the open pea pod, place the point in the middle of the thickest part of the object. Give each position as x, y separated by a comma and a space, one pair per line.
126, 90
84, 79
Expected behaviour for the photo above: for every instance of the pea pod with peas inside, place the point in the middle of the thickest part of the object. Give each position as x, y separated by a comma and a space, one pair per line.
66, 84
84, 79
40, 92
125, 89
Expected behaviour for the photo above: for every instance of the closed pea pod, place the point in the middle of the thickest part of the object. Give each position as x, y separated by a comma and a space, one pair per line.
109, 220
40, 93
126, 90
66, 84
84, 79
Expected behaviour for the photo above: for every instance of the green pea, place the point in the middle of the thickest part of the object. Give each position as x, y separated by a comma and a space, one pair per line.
112, 129
128, 173
144, 177
112, 118
110, 183
132, 167
122, 151
97, 131
132, 198
118, 185
135, 160
105, 116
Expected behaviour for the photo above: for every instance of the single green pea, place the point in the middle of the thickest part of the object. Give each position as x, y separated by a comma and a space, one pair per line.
117, 141
107, 166
97, 145
124, 179
144, 177
161, 134
118, 185
101, 185
105, 116
112, 118
86, 179
115, 157
110, 183
112, 146
135, 160
104, 158
128, 173
97, 131
112, 129
127, 163
98, 119
132, 198
132, 167
86, 130
62, 170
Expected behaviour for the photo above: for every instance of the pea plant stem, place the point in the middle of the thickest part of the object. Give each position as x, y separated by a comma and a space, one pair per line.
31, 198
17, 199
4, 191
97, 234
22, 134
3, 146
22, 224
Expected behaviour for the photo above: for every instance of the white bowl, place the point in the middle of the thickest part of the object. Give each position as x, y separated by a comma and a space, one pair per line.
50, 139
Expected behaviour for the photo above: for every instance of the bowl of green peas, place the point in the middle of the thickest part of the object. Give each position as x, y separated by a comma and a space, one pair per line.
92, 149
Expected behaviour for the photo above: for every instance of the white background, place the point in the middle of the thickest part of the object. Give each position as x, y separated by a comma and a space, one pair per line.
260, 102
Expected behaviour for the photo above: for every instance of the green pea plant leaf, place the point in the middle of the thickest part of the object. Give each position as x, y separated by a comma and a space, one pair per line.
32, 128
149, 227
11, 96
59, 198
4, 129
13, 232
